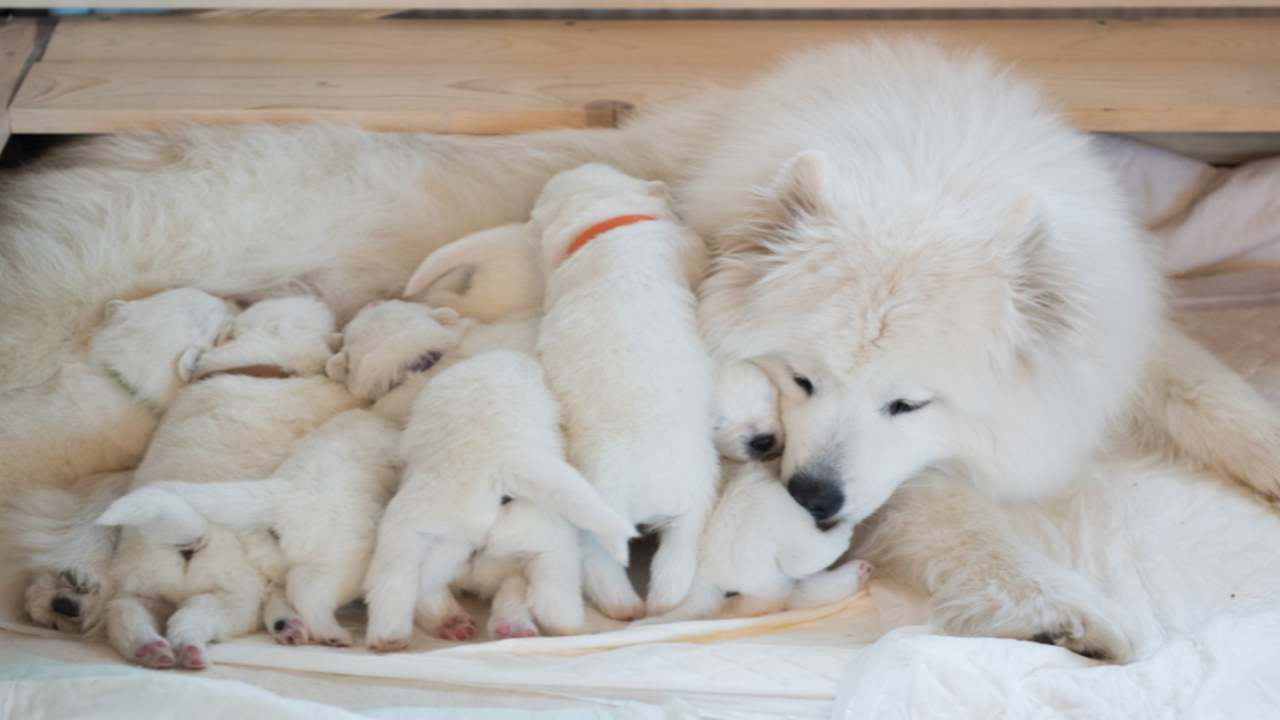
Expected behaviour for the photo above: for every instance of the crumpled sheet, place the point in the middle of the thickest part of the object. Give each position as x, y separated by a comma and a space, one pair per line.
1200, 572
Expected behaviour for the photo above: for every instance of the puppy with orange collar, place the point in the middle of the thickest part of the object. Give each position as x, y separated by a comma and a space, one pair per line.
622, 351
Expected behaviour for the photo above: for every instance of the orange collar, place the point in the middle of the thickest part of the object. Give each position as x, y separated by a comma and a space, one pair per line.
603, 227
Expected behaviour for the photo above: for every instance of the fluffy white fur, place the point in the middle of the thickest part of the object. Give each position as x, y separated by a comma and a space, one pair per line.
97, 415
322, 505
168, 606
620, 343
488, 275
747, 426
761, 552
485, 471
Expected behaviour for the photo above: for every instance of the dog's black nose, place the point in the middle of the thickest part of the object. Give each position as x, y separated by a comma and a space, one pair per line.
65, 606
761, 445
822, 497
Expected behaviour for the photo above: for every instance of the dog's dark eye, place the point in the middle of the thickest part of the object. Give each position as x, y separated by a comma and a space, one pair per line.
506, 499
804, 383
900, 406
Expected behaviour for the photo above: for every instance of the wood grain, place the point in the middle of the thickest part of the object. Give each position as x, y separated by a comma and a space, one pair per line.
1168, 75
636, 4
17, 43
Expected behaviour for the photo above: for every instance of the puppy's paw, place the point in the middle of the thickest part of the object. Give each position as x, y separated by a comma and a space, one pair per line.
155, 654
387, 644
456, 627
506, 629
192, 657
289, 631
863, 570
334, 638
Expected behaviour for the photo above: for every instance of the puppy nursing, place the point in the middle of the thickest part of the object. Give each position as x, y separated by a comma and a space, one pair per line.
619, 315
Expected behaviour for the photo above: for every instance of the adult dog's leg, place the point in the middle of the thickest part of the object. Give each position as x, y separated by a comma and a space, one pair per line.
209, 617
944, 537
1198, 408
134, 631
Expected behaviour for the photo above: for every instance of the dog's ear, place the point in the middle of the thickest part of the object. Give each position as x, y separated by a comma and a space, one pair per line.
445, 316
187, 362
1041, 288
803, 187
109, 310
335, 341
336, 366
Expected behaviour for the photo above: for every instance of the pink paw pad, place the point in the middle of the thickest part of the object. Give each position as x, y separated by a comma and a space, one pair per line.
156, 654
514, 630
864, 569
457, 627
291, 631
192, 657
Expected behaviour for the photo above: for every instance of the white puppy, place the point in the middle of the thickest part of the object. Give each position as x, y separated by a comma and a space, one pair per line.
50, 534
98, 414
322, 505
747, 425
225, 426
623, 354
761, 552
488, 275
485, 471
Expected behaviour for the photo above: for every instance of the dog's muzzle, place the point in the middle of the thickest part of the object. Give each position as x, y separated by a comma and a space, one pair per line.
818, 494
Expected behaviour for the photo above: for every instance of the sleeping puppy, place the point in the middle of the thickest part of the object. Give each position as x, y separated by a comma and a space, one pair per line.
761, 552
747, 425
322, 505
392, 348
489, 275
50, 534
97, 415
623, 355
178, 586
485, 472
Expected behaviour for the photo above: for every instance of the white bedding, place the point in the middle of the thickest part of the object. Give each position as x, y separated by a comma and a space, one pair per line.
1209, 610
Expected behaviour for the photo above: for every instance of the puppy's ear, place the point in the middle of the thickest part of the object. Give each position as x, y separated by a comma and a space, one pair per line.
110, 309
803, 187
335, 341
336, 367
445, 316
187, 363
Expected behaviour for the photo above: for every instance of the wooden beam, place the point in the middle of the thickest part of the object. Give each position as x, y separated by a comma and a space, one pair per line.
17, 46
489, 76
597, 5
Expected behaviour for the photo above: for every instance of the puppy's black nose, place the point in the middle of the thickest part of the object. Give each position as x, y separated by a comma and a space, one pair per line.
822, 497
761, 445
65, 606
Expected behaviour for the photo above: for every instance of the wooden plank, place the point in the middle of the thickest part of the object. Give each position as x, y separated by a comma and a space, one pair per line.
597, 5
17, 45
505, 76
751, 43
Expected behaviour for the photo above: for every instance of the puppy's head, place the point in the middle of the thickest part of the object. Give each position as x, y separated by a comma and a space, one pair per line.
389, 341
574, 200
294, 334
65, 601
747, 425
151, 342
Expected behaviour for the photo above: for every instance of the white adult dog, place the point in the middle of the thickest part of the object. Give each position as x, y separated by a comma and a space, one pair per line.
97, 415
208, 585
622, 351
485, 471
933, 285
761, 552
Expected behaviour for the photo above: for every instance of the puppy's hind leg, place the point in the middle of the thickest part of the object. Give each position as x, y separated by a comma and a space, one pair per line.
437, 611
316, 592
829, 586
510, 616
675, 563
282, 620
133, 629
555, 590
210, 617
606, 582
391, 585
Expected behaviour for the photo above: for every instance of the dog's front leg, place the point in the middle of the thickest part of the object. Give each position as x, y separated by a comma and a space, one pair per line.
675, 562
205, 618
133, 629
942, 536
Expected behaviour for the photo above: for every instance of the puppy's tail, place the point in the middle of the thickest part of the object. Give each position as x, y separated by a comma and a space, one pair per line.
558, 487
178, 513
461, 255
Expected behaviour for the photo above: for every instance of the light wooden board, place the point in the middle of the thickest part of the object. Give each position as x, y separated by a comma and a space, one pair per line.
505, 76
638, 4
17, 43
